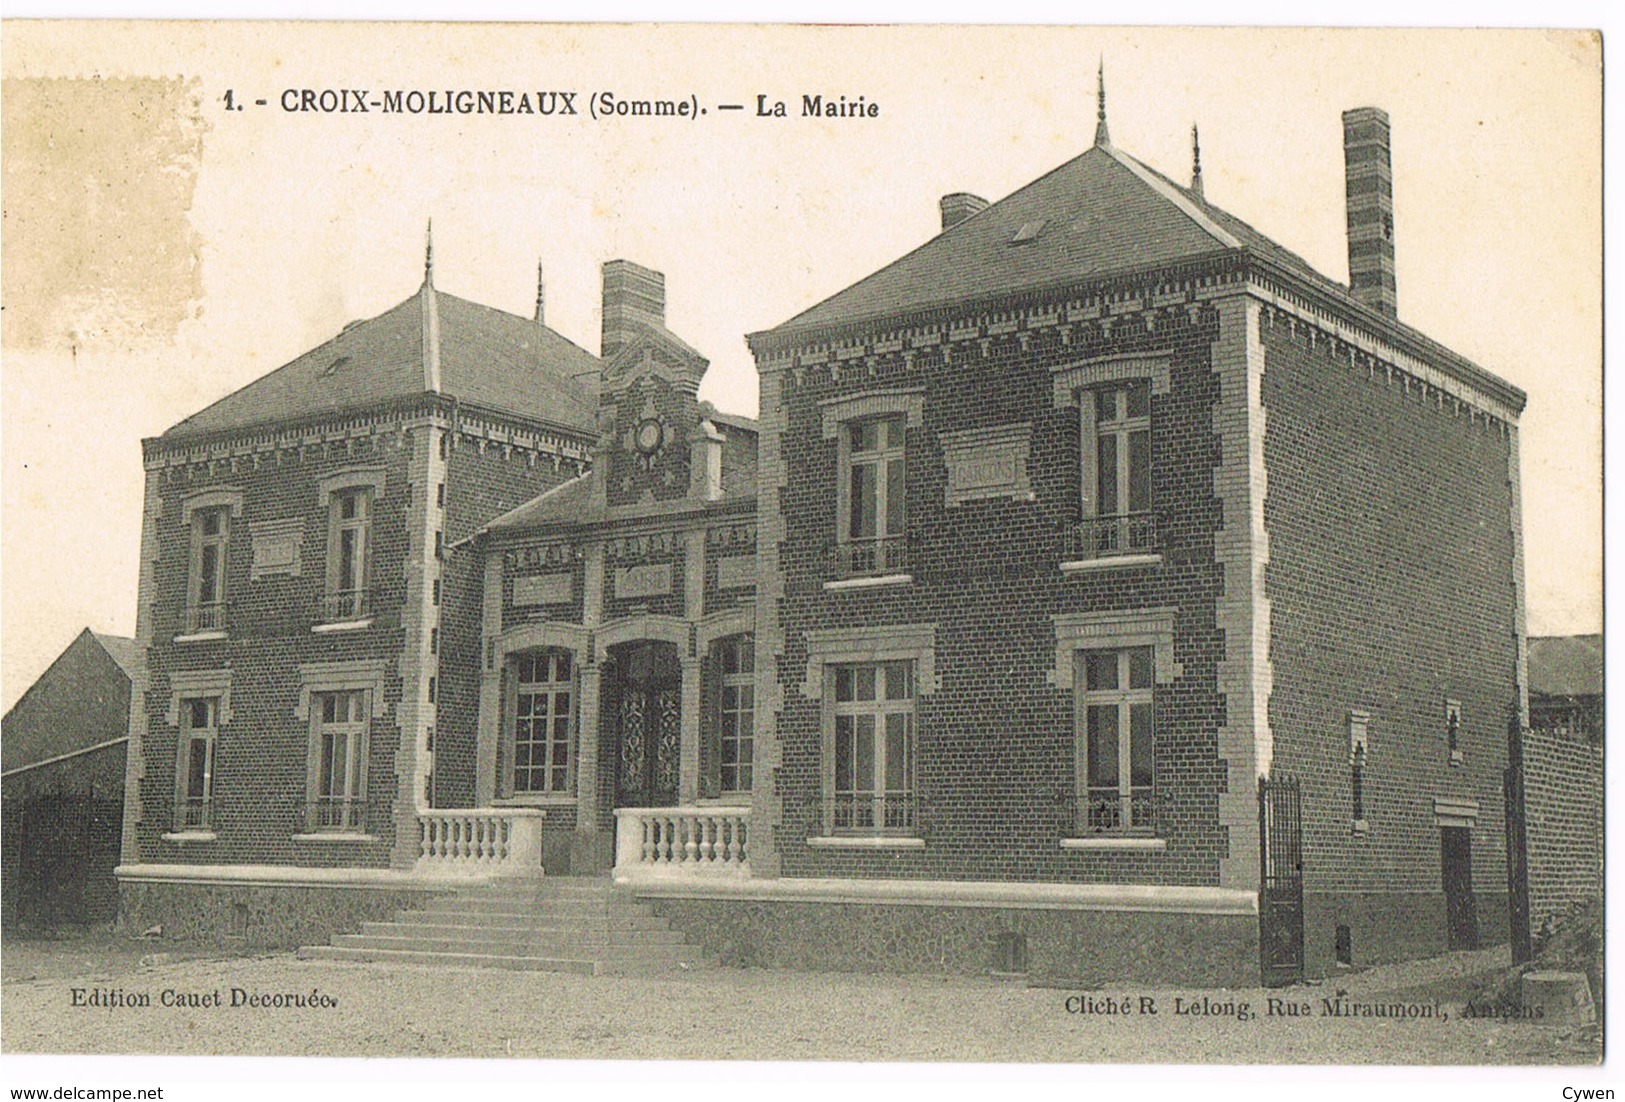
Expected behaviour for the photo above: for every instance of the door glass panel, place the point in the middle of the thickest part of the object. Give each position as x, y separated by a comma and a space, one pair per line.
1139, 471
1106, 465
1140, 745
1103, 746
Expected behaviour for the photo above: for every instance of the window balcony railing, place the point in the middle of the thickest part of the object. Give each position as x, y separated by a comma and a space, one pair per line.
1111, 537
339, 814
193, 813
870, 558
346, 604
855, 813
205, 616
1116, 810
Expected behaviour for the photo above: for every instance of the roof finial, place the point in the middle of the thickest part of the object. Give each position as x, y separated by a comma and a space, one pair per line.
1102, 135
428, 255
539, 289
1196, 162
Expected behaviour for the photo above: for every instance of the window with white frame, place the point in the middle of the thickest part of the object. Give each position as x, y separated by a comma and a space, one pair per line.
206, 589
873, 496
339, 726
541, 705
871, 786
1115, 715
349, 543
734, 668
1116, 472
194, 771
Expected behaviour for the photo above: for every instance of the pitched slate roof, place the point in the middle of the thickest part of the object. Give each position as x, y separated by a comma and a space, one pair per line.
123, 651
1565, 665
1100, 214
488, 358
572, 502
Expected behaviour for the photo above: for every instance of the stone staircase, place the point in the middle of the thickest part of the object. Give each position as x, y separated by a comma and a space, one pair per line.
583, 925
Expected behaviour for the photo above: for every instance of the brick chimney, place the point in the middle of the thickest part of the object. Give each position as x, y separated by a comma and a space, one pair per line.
958, 207
1369, 177
634, 299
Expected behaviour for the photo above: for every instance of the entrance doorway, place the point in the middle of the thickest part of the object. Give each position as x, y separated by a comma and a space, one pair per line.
646, 712
1461, 912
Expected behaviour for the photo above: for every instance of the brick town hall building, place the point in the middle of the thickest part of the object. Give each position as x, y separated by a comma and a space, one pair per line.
1103, 594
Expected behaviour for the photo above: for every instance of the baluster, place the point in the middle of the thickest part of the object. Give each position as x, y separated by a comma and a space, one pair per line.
691, 845
713, 836
668, 839
648, 828
736, 847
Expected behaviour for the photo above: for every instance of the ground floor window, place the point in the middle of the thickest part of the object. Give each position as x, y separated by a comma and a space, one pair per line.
340, 721
872, 782
1115, 715
734, 672
195, 770
542, 707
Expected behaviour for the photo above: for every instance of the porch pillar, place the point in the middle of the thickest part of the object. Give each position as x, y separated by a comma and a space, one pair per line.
592, 677
688, 783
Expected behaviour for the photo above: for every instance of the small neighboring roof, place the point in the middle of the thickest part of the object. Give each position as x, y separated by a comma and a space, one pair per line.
488, 357
1566, 665
123, 651
80, 703
735, 421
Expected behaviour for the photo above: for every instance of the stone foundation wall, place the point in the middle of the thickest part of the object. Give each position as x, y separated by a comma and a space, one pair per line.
1085, 947
269, 916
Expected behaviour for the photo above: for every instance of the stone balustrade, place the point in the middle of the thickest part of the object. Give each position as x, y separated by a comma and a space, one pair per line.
657, 842
480, 842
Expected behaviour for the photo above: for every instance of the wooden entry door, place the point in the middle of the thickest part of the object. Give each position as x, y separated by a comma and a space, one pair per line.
648, 720
1461, 912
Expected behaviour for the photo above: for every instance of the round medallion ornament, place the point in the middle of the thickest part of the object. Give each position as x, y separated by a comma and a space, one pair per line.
649, 434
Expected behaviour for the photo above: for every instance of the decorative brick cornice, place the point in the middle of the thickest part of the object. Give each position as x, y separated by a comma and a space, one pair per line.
1000, 313
1086, 314
386, 424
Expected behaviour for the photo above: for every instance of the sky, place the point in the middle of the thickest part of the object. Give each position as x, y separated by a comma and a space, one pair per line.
162, 250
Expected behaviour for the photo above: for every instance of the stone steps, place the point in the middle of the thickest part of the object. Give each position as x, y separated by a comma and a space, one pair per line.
579, 925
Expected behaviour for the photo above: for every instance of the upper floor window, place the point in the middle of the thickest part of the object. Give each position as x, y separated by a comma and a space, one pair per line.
349, 544
873, 497
200, 718
542, 707
1116, 472
206, 587
1115, 710
733, 714
871, 786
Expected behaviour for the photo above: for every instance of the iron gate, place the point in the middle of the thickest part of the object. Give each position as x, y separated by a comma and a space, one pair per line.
1280, 896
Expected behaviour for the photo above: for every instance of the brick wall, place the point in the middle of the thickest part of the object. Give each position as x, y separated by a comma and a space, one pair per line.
1563, 798
261, 755
1390, 581
482, 483
996, 743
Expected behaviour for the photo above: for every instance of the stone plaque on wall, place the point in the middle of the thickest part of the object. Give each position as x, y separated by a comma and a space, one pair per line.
989, 462
736, 572
652, 580
276, 547
543, 589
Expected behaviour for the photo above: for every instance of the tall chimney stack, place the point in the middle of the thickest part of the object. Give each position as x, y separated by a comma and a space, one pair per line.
1369, 178
634, 300
958, 207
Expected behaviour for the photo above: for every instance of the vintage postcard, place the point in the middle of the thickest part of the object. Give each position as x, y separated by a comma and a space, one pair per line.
881, 546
